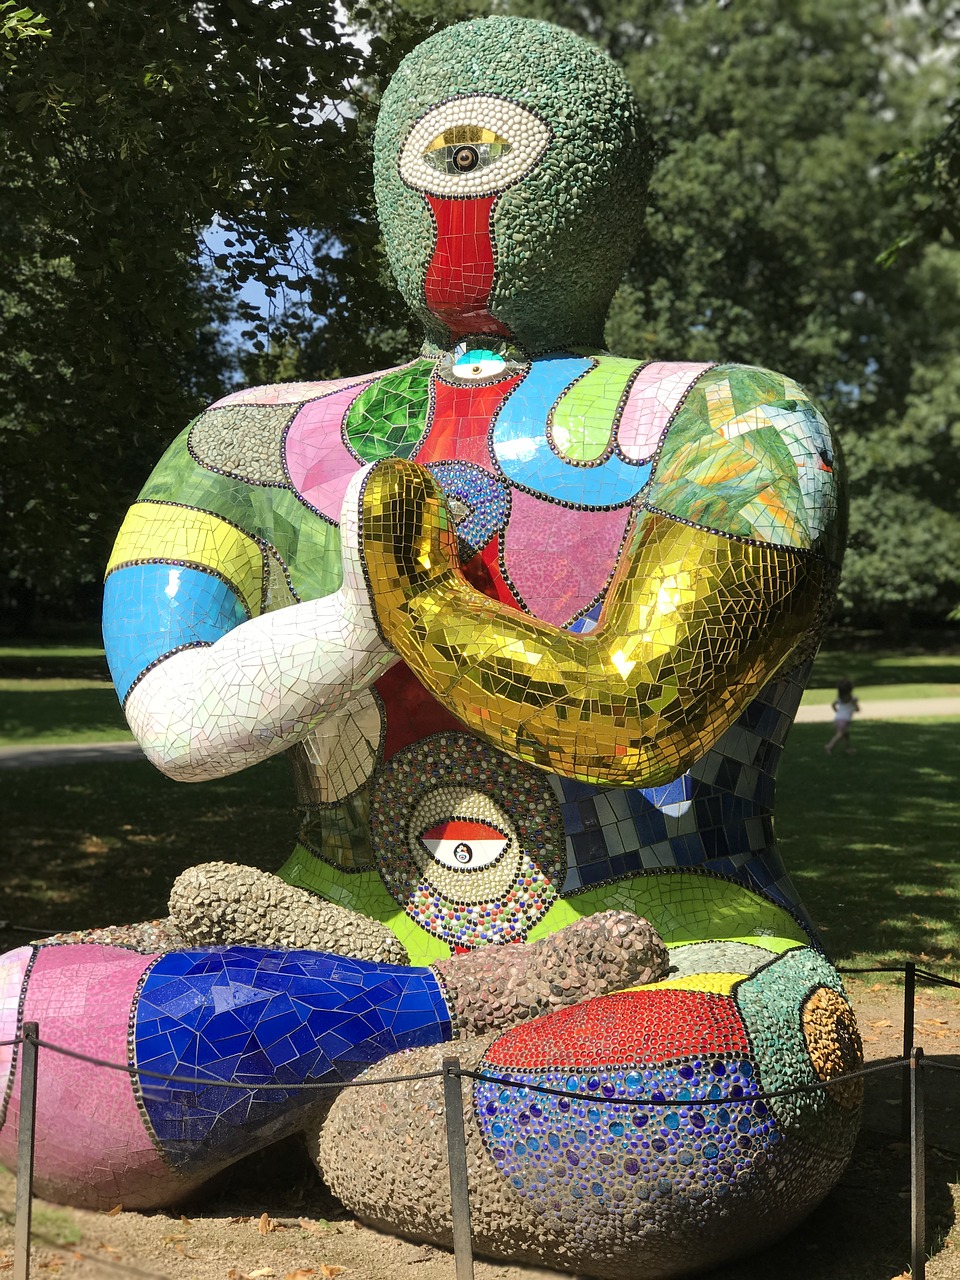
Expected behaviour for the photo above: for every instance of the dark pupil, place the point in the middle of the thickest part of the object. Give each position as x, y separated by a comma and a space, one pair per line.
466, 158
463, 852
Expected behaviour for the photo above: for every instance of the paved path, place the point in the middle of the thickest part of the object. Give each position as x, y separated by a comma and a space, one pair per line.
31, 757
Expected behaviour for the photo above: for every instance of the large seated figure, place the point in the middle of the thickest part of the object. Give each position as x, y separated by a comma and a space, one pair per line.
532, 622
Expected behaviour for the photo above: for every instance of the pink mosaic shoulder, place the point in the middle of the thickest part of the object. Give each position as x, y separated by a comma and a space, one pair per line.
288, 392
655, 396
315, 458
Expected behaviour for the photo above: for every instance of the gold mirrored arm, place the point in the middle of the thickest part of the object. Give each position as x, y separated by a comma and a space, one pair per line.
693, 626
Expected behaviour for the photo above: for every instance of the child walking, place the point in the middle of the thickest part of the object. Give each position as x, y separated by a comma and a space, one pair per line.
844, 706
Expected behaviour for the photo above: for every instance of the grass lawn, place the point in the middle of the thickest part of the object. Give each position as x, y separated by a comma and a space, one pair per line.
57, 693
872, 840
91, 844
59, 710
910, 671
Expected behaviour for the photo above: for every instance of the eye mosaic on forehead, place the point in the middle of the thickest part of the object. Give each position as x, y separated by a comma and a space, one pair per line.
532, 622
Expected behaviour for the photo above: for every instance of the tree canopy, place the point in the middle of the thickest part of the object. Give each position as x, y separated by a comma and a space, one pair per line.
126, 128
797, 144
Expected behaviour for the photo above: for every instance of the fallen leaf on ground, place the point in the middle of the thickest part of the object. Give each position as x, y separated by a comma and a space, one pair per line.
302, 1273
880, 1022
264, 1226
234, 1221
173, 1239
108, 1248
112, 1213
185, 1220
328, 1272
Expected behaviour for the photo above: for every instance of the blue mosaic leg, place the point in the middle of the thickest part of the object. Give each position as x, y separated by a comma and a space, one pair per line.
259, 1017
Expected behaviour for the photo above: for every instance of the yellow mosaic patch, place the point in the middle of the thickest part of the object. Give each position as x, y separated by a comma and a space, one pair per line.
161, 531
721, 984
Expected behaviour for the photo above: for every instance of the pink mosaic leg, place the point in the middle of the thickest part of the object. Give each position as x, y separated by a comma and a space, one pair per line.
92, 1146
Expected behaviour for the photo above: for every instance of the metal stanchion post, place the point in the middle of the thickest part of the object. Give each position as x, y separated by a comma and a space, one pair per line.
457, 1160
918, 1156
25, 1141
909, 995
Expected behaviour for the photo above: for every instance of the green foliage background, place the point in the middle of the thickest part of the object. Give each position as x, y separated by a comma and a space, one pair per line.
802, 216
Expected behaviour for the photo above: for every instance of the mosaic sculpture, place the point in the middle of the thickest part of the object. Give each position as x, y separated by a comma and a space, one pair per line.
532, 622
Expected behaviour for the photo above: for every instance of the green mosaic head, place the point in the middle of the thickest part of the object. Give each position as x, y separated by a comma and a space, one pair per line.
511, 161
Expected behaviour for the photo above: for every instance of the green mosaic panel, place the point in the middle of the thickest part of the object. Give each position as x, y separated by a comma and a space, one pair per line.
388, 419
684, 908
310, 548
749, 454
583, 421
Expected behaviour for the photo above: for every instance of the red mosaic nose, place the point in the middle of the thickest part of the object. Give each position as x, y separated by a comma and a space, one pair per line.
460, 274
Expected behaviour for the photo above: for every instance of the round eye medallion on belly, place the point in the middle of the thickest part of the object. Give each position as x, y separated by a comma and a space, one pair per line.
468, 842
464, 845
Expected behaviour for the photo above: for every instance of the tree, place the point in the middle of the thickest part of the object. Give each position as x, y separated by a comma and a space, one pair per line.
123, 134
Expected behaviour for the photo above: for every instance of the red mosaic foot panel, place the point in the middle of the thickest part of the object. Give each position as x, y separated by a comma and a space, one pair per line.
632, 1027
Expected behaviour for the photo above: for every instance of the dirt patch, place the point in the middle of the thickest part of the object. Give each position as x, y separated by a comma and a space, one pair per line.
271, 1217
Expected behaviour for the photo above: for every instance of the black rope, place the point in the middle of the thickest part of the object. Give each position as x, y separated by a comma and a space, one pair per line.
940, 1066
936, 979
730, 1100
895, 968
219, 1084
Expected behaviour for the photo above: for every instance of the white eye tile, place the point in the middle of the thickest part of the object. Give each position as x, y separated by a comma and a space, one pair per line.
472, 146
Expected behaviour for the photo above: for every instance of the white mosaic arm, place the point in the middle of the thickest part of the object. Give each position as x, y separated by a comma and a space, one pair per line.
206, 712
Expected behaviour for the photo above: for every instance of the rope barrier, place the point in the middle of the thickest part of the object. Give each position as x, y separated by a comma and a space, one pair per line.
194, 1081
483, 1077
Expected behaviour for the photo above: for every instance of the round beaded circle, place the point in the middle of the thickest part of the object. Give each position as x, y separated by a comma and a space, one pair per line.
451, 795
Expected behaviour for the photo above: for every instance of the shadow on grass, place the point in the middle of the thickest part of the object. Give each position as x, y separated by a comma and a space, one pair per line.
53, 662
57, 715
100, 844
871, 840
